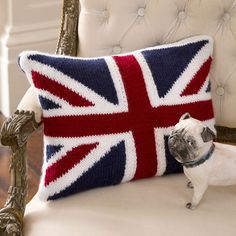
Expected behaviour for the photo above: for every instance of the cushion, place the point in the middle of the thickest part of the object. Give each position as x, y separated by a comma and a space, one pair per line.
107, 119
153, 206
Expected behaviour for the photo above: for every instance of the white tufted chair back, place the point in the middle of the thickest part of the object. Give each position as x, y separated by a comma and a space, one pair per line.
116, 26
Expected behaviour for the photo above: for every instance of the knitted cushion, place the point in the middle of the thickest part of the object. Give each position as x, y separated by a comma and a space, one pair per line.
107, 119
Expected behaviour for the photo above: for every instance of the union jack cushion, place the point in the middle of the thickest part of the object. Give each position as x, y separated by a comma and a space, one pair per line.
107, 119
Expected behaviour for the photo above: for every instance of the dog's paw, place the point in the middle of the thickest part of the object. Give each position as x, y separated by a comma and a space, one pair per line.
190, 206
190, 185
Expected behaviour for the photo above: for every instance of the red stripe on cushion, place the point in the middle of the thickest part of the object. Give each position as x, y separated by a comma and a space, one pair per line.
67, 162
141, 116
85, 125
198, 80
44, 83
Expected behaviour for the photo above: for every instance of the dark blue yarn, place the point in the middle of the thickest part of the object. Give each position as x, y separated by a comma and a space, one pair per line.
108, 171
51, 150
167, 64
92, 73
172, 166
48, 104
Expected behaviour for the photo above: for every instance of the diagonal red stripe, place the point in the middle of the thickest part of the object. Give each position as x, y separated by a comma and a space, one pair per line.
74, 99
198, 80
67, 162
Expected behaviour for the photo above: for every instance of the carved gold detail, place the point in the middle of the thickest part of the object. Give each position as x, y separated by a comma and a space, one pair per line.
68, 40
14, 133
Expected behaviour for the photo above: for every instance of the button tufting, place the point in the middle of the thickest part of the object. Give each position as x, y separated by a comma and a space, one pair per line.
220, 91
226, 16
116, 49
182, 15
141, 11
105, 13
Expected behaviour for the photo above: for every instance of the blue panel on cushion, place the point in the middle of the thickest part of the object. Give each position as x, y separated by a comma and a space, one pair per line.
92, 73
48, 104
172, 166
108, 171
51, 150
167, 64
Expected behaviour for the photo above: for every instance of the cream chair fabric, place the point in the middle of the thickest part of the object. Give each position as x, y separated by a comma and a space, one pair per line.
147, 207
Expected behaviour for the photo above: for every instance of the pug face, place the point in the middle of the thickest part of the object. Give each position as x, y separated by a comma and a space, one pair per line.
189, 139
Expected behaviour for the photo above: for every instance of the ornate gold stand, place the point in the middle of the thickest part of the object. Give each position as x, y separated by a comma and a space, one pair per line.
15, 132
68, 40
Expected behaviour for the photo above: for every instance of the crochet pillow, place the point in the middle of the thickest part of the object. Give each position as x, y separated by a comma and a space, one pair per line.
107, 119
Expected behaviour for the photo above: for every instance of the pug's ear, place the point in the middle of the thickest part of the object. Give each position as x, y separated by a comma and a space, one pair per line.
185, 116
207, 134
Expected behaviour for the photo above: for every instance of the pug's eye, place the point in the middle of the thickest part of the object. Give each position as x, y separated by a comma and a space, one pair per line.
190, 143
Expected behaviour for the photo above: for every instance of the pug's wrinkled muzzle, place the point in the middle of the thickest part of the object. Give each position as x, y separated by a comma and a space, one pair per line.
178, 147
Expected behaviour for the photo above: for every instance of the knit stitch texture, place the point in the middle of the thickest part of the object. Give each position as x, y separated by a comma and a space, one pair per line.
107, 119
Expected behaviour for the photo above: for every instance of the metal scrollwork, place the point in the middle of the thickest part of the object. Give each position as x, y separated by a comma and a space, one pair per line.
11, 222
14, 133
68, 40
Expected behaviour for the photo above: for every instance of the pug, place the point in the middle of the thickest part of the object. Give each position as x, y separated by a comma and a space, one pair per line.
204, 162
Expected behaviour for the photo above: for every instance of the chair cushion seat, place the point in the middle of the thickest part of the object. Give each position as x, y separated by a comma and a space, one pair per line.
146, 207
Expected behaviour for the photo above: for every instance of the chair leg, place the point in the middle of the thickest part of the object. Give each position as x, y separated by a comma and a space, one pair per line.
14, 133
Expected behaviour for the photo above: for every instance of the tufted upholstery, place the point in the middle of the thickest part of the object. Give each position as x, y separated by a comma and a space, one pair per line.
111, 27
